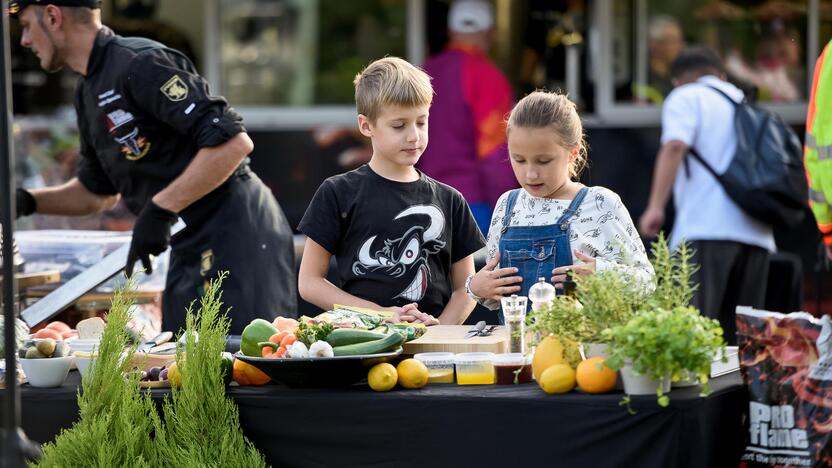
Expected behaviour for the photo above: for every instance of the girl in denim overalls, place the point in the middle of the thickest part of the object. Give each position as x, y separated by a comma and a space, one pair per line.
553, 224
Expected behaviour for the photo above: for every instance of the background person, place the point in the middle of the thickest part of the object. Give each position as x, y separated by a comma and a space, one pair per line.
818, 149
730, 247
467, 117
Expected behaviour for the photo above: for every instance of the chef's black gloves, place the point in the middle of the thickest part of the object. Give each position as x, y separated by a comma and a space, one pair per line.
26, 203
151, 236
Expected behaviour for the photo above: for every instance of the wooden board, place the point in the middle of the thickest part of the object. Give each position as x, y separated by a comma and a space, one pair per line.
30, 280
451, 338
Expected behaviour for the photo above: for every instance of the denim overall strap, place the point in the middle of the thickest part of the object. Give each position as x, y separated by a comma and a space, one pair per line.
572, 209
512, 199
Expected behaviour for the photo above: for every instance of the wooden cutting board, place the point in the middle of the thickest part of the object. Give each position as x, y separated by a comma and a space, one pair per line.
451, 338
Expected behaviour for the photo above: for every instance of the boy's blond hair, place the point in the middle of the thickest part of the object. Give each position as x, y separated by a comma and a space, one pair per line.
391, 81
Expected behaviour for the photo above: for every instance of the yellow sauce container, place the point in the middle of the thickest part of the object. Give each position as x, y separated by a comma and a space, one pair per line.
440, 366
474, 368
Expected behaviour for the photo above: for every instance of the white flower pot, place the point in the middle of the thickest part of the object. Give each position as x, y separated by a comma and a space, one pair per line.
591, 350
641, 384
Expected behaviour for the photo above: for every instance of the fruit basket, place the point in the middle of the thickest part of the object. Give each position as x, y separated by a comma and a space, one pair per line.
318, 371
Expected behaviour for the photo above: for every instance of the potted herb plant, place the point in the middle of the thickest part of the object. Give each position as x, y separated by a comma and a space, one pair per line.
659, 345
674, 272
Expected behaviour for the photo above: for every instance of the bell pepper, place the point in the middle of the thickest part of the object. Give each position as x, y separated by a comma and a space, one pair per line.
255, 332
246, 374
277, 345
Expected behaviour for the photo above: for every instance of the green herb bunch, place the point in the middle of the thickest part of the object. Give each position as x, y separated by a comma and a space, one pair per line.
674, 272
609, 299
564, 319
661, 343
116, 417
201, 423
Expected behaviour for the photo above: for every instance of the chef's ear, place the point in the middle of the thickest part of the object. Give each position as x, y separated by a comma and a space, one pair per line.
52, 16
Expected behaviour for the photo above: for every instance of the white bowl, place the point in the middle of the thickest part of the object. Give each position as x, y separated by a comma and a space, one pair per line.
84, 361
46, 372
84, 345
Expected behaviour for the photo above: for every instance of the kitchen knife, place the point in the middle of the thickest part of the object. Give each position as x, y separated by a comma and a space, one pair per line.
163, 337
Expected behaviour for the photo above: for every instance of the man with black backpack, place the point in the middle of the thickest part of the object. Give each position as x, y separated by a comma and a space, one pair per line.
731, 247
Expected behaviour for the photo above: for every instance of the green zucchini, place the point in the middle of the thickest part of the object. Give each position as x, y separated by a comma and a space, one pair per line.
350, 336
388, 343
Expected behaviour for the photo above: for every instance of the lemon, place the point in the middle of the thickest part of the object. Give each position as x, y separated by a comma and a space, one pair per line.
558, 378
174, 377
412, 373
382, 377
548, 352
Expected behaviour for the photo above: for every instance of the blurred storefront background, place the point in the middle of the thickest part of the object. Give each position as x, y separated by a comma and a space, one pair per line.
287, 66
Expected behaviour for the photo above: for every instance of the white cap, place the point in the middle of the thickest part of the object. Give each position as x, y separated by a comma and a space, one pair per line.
470, 16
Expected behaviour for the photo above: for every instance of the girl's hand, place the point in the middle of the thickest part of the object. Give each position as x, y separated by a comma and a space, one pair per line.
493, 283
587, 267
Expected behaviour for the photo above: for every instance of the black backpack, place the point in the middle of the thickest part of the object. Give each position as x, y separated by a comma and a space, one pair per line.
766, 177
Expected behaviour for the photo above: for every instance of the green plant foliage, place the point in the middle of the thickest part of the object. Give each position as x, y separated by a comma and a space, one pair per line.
674, 272
609, 299
658, 343
563, 317
201, 423
116, 417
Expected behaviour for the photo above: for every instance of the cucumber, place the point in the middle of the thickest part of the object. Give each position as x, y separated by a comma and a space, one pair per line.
350, 336
388, 343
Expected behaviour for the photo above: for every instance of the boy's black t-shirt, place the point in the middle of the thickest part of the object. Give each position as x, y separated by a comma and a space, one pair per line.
394, 242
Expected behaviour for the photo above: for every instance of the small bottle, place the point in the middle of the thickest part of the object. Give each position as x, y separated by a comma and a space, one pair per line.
570, 287
541, 293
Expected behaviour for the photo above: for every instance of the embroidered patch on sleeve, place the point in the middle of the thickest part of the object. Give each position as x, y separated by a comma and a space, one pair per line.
175, 89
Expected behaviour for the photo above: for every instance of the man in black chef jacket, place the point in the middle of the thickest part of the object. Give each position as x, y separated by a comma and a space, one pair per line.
152, 134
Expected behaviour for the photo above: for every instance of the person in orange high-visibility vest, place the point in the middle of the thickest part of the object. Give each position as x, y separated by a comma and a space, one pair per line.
818, 147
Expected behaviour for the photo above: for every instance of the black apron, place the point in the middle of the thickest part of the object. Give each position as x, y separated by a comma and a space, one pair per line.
239, 228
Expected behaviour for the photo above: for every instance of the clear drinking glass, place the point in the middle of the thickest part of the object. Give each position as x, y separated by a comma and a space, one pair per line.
514, 312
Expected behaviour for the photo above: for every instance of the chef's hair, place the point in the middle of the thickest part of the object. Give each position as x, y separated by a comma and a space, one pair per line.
391, 81
553, 110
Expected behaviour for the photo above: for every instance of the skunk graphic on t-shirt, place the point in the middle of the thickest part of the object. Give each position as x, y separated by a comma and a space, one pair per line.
406, 256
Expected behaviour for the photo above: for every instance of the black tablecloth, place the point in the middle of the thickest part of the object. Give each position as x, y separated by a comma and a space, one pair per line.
451, 425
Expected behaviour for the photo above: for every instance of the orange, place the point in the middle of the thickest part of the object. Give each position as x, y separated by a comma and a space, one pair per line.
594, 376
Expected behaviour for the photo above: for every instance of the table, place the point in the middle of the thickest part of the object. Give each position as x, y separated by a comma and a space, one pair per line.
450, 425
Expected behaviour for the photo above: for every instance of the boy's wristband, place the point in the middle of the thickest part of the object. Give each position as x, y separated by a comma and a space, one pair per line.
468, 289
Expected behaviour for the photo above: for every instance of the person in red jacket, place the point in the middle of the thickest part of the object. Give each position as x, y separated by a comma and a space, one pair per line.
467, 117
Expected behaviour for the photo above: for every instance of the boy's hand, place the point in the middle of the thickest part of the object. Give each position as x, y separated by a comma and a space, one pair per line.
419, 317
587, 267
410, 313
493, 283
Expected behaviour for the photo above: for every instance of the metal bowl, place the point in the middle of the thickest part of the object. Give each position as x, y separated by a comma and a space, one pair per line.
318, 372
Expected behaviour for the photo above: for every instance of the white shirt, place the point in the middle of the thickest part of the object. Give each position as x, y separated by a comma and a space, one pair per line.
601, 228
703, 119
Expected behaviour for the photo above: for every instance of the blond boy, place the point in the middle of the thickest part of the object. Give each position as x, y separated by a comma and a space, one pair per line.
403, 241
